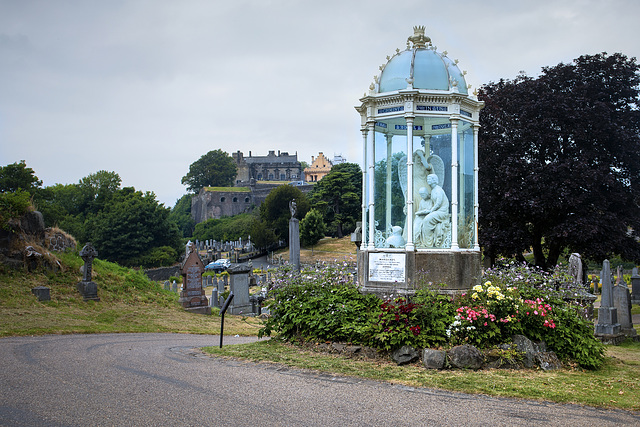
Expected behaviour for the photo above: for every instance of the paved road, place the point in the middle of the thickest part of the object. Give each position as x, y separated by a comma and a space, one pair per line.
161, 380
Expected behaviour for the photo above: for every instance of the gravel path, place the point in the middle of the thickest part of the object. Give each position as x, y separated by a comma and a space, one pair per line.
163, 380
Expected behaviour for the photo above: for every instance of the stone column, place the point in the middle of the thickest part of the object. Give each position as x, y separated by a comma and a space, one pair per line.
363, 243
371, 237
607, 313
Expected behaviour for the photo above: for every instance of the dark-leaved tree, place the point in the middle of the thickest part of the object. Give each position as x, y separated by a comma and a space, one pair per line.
274, 211
214, 169
559, 164
337, 196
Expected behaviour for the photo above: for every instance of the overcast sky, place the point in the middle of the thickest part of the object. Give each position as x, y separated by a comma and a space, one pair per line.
145, 87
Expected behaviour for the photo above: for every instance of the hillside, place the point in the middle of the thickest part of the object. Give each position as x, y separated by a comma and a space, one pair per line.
129, 302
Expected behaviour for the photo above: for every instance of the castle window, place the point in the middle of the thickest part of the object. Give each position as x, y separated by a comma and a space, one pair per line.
283, 177
270, 177
222, 199
235, 200
259, 176
246, 200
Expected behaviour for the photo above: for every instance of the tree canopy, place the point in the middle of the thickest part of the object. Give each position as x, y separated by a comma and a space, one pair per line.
559, 162
338, 197
214, 169
275, 212
312, 228
18, 176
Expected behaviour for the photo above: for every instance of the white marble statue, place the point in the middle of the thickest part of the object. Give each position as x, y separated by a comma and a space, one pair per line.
432, 216
396, 240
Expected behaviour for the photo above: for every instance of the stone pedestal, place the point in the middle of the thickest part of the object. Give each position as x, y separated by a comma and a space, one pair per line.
635, 286
386, 273
607, 321
88, 290
294, 243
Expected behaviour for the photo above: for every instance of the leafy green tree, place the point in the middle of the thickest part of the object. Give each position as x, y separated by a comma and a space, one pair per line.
262, 236
97, 189
338, 197
225, 228
18, 176
275, 209
131, 227
559, 164
214, 169
181, 215
312, 228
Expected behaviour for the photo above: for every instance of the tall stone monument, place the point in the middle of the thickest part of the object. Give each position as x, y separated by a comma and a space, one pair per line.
294, 237
192, 297
635, 286
607, 326
87, 287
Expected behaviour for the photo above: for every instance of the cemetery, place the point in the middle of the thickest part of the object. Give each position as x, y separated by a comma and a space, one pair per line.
417, 294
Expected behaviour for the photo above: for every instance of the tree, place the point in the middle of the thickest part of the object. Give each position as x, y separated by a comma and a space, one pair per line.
18, 176
275, 212
312, 228
132, 227
214, 169
181, 215
338, 197
559, 164
97, 189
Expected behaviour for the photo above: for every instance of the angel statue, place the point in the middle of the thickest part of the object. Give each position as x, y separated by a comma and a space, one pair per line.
432, 216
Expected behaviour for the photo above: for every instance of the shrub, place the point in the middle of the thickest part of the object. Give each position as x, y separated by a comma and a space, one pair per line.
318, 305
13, 205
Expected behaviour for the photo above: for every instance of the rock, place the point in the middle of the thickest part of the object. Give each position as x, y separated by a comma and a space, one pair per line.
338, 347
525, 346
548, 361
466, 357
352, 350
404, 355
505, 356
433, 359
32, 224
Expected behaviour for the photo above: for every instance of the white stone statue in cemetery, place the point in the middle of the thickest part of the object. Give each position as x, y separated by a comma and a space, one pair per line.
575, 268
432, 220
396, 240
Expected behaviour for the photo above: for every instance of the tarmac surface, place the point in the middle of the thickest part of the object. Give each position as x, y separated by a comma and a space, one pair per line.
164, 380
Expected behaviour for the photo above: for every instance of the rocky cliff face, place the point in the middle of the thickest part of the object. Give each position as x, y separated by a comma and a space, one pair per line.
26, 243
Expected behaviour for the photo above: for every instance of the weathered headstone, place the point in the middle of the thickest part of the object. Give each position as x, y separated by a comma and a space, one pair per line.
87, 287
575, 268
622, 303
635, 286
192, 296
607, 314
239, 285
294, 237
167, 285
174, 287
42, 292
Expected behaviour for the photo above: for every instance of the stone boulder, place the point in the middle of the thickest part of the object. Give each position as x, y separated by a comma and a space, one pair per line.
525, 346
434, 359
404, 355
466, 357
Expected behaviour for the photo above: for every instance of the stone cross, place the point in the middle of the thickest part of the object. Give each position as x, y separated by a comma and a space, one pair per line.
88, 253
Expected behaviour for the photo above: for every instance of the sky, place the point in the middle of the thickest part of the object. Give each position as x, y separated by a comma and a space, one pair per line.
144, 88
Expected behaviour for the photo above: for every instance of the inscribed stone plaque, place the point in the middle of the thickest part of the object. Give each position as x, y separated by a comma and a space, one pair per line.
385, 267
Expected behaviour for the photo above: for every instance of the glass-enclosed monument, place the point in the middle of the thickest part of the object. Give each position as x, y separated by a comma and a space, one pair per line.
420, 174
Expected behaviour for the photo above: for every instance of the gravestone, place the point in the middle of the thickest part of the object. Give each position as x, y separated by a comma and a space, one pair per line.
87, 288
221, 285
239, 285
192, 297
43, 293
622, 303
294, 237
607, 326
174, 287
167, 285
635, 286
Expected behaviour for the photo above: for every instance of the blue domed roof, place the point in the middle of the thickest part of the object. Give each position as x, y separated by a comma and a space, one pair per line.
429, 69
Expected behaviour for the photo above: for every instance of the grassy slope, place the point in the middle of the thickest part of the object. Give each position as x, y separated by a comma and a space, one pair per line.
128, 303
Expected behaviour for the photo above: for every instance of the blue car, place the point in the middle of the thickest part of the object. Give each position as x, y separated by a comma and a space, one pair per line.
219, 265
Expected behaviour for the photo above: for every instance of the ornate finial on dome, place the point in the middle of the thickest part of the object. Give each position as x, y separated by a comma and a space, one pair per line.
376, 79
456, 61
418, 39
397, 50
388, 58
464, 72
372, 88
445, 53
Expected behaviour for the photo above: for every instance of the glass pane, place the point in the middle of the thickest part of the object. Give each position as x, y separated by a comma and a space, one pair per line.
466, 221
390, 183
432, 183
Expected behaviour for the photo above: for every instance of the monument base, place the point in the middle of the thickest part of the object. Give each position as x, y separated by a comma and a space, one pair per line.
88, 290
191, 301
386, 272
611, 339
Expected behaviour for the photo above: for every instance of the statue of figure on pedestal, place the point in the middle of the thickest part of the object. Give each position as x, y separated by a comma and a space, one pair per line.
432, 217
